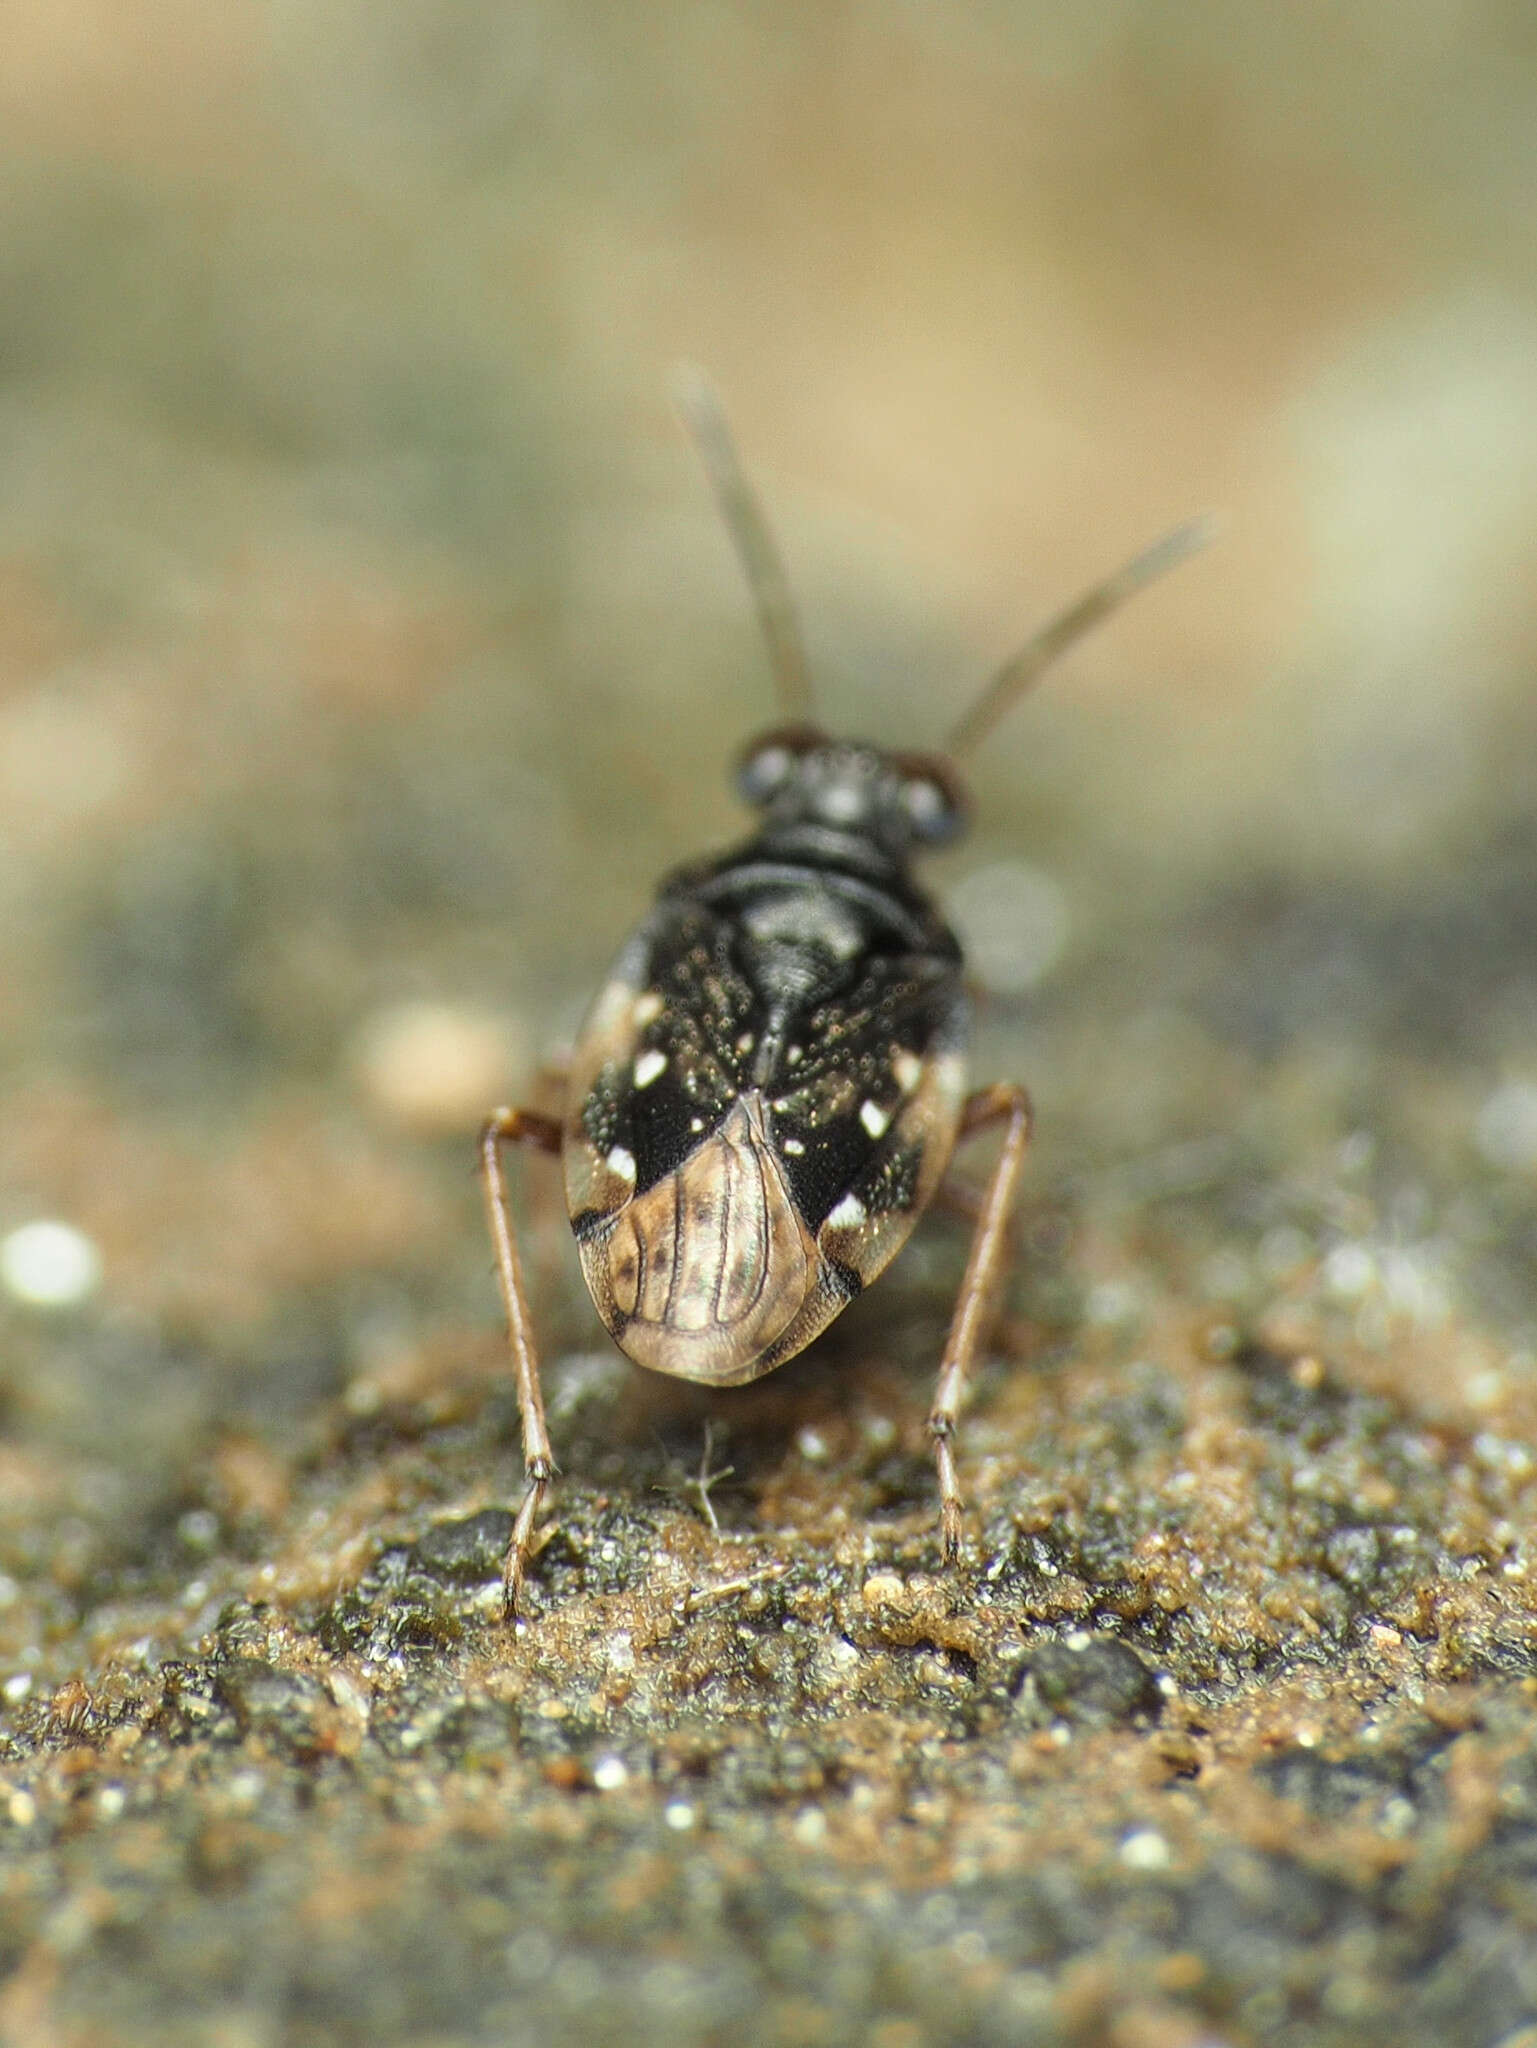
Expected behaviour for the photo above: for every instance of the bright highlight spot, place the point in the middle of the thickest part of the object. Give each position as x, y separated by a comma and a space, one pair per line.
49, 1264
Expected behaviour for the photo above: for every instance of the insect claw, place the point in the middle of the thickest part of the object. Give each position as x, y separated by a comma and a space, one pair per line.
521, 1542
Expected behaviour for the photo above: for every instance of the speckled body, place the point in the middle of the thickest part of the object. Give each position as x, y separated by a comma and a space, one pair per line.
769, 1085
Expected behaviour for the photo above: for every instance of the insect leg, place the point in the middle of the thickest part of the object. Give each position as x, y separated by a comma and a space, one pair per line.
527, 1127
1002, 1103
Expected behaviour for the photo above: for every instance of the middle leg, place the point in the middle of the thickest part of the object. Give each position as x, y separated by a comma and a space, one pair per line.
527, 1127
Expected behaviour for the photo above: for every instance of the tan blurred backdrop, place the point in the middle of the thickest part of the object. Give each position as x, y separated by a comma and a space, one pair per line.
366, 633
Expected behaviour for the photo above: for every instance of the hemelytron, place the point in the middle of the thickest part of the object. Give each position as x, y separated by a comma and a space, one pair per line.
770, 1084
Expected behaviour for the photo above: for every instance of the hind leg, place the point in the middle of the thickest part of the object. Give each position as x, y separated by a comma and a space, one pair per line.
1002, 1103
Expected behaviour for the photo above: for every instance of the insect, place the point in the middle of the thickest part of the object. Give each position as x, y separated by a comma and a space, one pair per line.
769, 1087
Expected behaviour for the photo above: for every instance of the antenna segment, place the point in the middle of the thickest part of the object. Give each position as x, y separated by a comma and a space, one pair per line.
705, 418
1024, 669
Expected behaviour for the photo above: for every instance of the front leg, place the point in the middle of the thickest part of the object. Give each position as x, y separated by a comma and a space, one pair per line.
525, 1127
1003, 1102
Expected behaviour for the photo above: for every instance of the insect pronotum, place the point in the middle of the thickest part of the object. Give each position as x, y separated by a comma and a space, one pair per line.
769, 1086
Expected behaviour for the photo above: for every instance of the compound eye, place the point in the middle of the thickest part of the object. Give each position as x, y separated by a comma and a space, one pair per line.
770, 761
935, 806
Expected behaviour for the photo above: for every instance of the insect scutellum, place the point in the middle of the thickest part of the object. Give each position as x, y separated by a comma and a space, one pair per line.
771, 1081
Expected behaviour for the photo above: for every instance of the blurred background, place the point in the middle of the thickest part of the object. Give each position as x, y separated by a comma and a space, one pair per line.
369, 642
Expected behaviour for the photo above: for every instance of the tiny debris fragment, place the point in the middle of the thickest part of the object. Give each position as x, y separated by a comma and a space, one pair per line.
884, 1589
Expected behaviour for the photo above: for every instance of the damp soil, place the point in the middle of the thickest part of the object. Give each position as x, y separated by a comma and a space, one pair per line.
1223, 1730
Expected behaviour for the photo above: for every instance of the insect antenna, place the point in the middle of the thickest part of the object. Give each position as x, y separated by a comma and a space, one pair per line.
705, 418
1026, 667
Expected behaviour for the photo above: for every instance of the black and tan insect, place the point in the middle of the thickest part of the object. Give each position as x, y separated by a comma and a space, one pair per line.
769, 1087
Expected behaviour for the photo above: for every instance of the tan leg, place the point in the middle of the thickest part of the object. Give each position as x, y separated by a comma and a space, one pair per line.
1001, 1103
525, 1127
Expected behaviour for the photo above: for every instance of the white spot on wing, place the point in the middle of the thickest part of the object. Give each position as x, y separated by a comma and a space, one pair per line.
950, 1076
648, 1066
794, 1147
848, 1214
647, 1009
611, 1008
874, 1118
621, 1162
908, 1069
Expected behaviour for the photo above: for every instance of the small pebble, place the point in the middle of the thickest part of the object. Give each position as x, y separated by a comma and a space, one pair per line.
48, 1264
883, 1589
1145, 1850
437, 1068
198, 1529
1111, 1301
1181, 1971
1350, 1270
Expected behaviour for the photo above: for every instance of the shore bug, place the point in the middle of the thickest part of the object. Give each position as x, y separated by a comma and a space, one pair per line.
770, 1084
